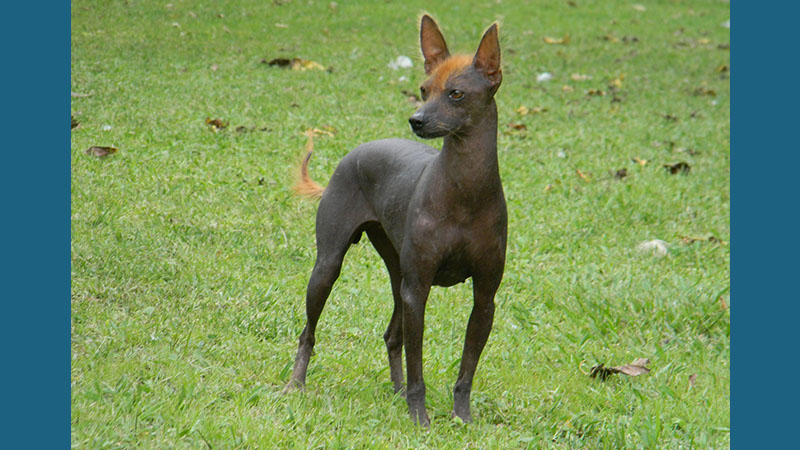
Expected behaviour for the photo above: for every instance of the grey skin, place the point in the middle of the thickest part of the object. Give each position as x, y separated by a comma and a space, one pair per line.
435, 217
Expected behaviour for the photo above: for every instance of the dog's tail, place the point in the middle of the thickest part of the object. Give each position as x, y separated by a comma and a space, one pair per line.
305, 186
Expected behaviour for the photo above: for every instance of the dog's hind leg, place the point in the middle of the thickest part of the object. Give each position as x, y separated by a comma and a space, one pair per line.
394, 332
340, 221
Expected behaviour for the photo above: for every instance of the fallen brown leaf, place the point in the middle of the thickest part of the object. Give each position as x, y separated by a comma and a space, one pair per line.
518, 126
557, 41
633, 369
583, 176
101, 151
524, 110
595, 92
579, 77
708, 238
621, 173
75, 123
704, 91
692, 379
566, 88
295, 64
724, 46
723, 68
639, 161
678, 167
610, 38
617, 82
215, 124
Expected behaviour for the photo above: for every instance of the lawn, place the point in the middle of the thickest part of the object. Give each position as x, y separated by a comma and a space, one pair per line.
190, 255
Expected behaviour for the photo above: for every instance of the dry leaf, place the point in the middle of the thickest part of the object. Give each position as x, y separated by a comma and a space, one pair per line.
610, 38
688, 151
704, 41
723, 68
722, 304
692, 379
579, 77
621, 173
709, 238
639, 161
583, 176
566, 88
633, 369
517, 126
75, 123
303, 65
101, 151
557, 41
524, 110
595, 92
678, 167
725, 46
670, 117
296, 64
617, 82
704, 91
548, 188
215, 124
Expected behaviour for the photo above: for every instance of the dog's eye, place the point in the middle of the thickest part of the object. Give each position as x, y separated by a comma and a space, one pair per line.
455, 94
423, 93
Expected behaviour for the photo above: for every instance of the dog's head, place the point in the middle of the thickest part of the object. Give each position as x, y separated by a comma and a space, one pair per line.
459, 88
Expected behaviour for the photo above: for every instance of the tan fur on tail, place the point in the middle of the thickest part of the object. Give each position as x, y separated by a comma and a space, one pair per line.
305, 186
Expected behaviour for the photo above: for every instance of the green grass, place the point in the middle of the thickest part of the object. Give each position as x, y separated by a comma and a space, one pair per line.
190, 256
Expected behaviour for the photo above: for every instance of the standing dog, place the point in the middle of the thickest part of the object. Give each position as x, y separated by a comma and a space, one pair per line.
435, 217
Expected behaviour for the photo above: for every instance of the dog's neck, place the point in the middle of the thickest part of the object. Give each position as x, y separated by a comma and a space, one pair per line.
470, 159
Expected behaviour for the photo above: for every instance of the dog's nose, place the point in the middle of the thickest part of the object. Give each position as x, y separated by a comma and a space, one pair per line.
416, 122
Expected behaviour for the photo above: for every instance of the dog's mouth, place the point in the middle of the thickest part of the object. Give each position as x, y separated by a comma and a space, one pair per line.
426, 133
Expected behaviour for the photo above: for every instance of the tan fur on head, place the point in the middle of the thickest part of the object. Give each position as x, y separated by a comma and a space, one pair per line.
447, 68
304, 186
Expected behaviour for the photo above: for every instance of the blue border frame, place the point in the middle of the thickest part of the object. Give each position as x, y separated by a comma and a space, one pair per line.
765, 167
35, 186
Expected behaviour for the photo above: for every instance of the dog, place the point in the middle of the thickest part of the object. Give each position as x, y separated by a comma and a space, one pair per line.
434, 217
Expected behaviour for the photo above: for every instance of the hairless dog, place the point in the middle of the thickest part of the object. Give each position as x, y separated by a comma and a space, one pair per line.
435, 217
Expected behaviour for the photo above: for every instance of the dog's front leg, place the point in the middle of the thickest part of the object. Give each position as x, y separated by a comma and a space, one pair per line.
478, 329
414, 292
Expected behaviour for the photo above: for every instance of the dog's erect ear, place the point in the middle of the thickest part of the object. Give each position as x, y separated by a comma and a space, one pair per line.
487, 58
434, 49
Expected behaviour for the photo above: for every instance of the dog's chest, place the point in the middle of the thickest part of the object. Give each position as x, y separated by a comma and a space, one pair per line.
453, 270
